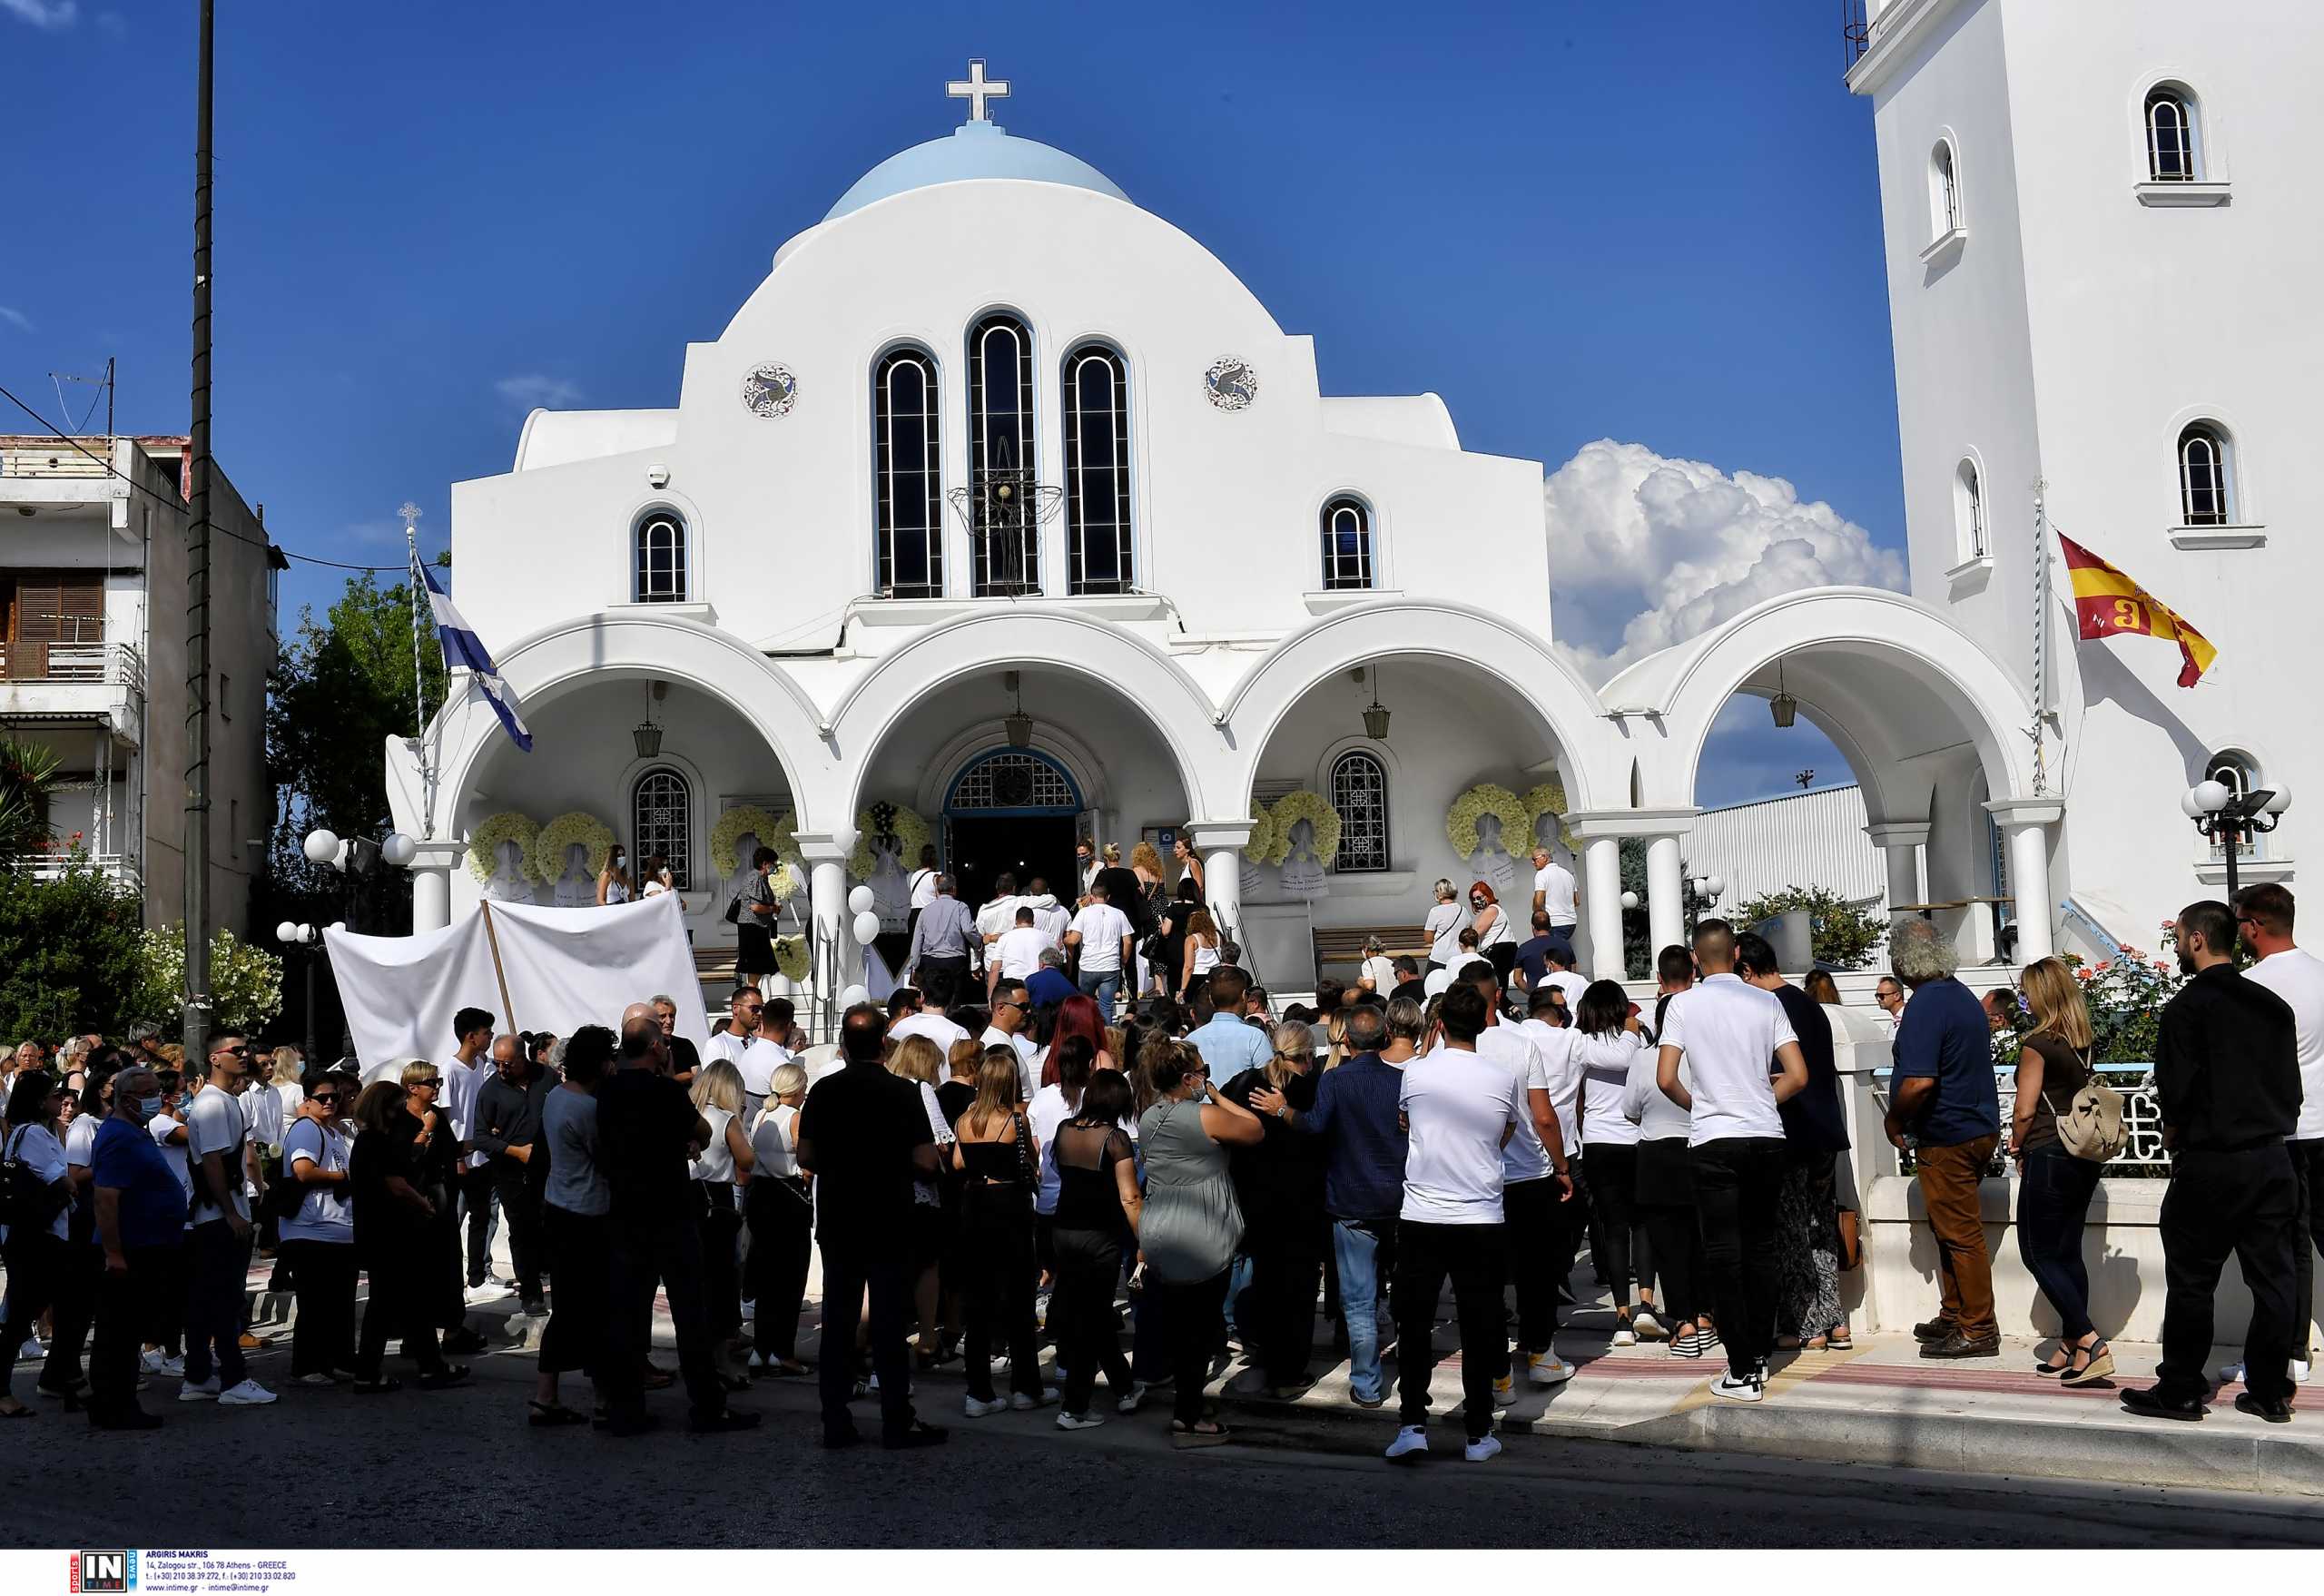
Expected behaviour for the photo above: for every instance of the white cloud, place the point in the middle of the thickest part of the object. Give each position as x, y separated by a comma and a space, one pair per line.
534, 390
43, 13
1646, 551
9, 313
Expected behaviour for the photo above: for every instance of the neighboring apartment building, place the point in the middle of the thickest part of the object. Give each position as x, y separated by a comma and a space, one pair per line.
93, 632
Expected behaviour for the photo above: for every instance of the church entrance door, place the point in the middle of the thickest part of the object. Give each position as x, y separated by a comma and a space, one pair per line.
1013, 810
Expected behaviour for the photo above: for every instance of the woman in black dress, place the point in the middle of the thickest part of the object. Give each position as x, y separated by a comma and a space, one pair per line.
755, 932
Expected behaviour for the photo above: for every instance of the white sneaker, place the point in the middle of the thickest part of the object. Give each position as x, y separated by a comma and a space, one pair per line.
1625, 1336
1505, 1391
1546, 1368
1131, 1402
1747, 1389
199, 1390
2299, 1371
173, 1366
983, 1410
150, 1360
1647, 1326
1025, 1404
750, 1310
1079, 1420
490, 1291
754, 1363
1483, 1447
1411, 1442
249, 1394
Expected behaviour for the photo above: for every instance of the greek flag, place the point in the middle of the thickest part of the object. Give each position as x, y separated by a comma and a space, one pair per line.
463, 650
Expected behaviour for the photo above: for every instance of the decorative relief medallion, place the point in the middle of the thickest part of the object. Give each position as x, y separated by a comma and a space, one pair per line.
1230, 383
770, 390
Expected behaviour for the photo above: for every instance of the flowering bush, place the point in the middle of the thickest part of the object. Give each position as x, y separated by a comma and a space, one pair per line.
2126, 996
245, 982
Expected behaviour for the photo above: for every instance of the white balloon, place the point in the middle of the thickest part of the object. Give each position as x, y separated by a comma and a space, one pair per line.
858, 993
866, 926
859, 899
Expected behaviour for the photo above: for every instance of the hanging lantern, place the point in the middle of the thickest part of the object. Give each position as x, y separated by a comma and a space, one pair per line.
1375, 718
1786, 708
645, 734
1018, 723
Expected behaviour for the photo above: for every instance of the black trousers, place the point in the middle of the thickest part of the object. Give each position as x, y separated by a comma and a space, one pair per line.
2053, 1193
520, 1206
1738, 1180
168, 1331
1474, 1256
36, 1260
782, 1219
71, 1309
1081, 1313
1665, 1195
2246, 1203
579, 1257
401, 1301
322, 1275
1534, 1231
1002, 1275
856, 1268
213, 1309
128, 1305
478, 1190
1612, 1170
1276, 1311
1192, 1319
645, 1252
722, 1259
2308, 1168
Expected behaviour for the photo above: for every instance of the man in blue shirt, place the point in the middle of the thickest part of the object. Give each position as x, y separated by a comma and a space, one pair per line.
141, 1224
1356, 1114
1049, 985
1942, 1093
1227, 1044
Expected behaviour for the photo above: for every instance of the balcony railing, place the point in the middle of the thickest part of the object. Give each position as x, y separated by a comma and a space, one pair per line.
115, 664
53, 866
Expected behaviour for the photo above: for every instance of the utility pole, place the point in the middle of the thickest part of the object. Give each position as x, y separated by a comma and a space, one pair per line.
197, 669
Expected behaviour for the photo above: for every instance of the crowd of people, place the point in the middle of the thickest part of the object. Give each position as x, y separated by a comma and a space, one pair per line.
995, 1169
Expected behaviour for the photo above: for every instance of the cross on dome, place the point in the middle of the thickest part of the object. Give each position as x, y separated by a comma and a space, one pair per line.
976, 91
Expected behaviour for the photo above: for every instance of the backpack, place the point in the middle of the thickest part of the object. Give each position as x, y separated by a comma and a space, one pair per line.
2092, 1127
25, 1198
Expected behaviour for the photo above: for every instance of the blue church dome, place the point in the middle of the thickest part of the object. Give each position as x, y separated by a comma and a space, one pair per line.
973, 150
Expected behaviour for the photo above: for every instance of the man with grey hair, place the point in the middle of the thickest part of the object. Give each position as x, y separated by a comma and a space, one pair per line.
941, 940
1942, 1096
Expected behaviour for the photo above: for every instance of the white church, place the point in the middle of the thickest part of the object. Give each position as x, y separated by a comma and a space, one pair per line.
1060, 536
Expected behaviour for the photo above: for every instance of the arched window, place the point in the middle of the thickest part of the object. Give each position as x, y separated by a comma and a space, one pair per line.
1360, 795
1006, 540
660, 564
1944, 190
661, 821
907, 477
2238, 773
1969, 511
2172, 154
2206, 476
1096, 471
1347, 544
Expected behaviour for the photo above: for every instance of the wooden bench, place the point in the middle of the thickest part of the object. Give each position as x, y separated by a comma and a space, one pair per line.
1344, 945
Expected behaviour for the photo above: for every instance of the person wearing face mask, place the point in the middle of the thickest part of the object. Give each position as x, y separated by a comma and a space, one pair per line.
140, 1215
612, 881
319, 1232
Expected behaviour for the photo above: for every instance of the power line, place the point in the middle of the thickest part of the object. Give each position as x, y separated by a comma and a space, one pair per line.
175, 503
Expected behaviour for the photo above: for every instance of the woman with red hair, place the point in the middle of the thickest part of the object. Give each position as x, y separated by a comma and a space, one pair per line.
1078, 1016
1496, 936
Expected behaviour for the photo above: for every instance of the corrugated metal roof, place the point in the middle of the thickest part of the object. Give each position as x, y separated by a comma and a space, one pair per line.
1812, 839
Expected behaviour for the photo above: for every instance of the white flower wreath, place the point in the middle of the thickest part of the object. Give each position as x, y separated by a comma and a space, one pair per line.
778, 834
483, 844
1472, 806
561, 834
912, 836
790, 957
1260, 849
1549, 798
1294, 807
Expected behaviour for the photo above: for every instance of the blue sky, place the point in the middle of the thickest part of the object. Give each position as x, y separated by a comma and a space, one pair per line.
1573, 221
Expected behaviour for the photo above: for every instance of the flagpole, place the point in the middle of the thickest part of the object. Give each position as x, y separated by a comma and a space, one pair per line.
410, 513
2041, 634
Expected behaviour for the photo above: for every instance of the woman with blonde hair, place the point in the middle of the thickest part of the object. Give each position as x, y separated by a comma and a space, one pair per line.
717, 1092
2054, 1186
920, 1061
612, 881
999, 1161
782, 1223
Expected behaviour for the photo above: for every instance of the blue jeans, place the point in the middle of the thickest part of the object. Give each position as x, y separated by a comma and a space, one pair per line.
1356, 1245
1104, 985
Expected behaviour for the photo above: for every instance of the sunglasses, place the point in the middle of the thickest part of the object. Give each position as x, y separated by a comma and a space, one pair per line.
322, 1096
429, 1080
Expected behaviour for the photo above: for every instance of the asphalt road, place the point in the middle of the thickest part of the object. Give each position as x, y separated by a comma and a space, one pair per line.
460, 1468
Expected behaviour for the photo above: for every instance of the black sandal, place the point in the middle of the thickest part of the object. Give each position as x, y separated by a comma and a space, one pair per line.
1183, 1435
549, 1415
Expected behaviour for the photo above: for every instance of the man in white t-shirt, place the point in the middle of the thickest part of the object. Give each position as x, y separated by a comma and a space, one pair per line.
1551, 1031
2263, 916
1460, 1110
1536, 1188
1101, 932
463, 1074
1556, 893
753, 1057
1733, 1037
1012, 1011
1559, 960
1051, 920
1017, 952
930, 1021
1443, 928
219, 1248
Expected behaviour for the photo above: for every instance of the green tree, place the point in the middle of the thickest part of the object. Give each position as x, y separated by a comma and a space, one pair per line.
69, 954
28, 771
1843, 933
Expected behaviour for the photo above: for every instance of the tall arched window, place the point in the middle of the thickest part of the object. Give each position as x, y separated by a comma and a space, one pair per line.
2206, 476
1005, 545
661, 821
1096, 471
1347, 544
2172, 154
1969, 511
1360, 796
659, 567
1944, 190
907, 475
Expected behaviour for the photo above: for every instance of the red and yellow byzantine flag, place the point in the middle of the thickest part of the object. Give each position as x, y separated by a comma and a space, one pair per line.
2108, 603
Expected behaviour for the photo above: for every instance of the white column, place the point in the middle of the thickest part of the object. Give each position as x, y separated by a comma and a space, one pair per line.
1900, 843
1666, 906
1601, 902
2025, 825
431, 885
832, 949
1220, 844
